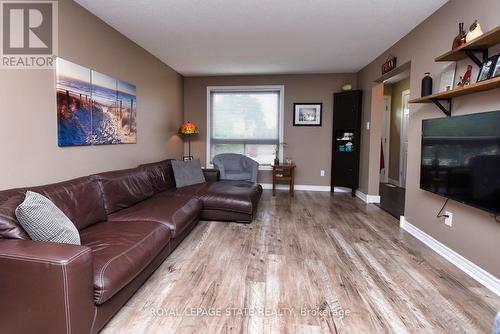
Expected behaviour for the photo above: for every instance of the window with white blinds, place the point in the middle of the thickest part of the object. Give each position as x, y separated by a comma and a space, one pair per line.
245, 121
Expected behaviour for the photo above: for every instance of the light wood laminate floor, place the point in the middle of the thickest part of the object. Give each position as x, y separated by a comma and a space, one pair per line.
316, 263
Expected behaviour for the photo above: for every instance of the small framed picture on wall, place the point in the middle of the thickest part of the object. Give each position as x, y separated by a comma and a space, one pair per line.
307, 114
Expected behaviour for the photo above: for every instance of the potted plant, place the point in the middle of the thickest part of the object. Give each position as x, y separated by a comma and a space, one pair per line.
277, 152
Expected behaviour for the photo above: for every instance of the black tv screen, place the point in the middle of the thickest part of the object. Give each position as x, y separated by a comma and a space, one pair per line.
461, 159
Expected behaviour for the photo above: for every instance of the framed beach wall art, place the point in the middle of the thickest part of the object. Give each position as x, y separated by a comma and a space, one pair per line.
307, 114
94, 108
73, 91
126, 93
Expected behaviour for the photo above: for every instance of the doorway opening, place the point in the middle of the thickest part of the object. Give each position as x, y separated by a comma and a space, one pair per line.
394, 143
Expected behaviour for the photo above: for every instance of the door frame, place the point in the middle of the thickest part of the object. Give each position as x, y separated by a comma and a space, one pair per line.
386, 131
404, 132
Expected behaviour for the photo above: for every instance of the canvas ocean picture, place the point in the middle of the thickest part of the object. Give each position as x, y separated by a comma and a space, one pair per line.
73, 104
127, 105
94, 108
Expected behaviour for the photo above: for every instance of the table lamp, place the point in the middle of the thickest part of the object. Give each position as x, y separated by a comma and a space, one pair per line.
188, 130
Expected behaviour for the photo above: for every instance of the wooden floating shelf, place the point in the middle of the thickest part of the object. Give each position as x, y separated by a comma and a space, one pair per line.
459, 91
481, 43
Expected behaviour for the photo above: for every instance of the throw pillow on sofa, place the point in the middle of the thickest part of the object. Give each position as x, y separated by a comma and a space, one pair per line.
187, 173
44, 221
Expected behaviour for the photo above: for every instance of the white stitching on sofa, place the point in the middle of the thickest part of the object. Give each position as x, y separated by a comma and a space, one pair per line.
105, 267
66, 300
43, 260
93, 321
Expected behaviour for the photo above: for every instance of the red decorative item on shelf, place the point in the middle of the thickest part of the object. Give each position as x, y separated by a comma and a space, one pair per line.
460, 38
465, 80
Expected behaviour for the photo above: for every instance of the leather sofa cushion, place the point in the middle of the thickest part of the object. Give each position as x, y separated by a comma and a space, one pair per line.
9, 227
79, 199
124, 188
160, 174
175, 212
120, 251
239, 196
225, 195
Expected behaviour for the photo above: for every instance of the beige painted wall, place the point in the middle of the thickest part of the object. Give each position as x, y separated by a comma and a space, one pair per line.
395, 138
28, 132
309, 147
474, 234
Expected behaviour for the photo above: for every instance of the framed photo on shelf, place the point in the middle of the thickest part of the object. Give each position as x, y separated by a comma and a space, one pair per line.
487, 68
496, 69
447, 77
307, 114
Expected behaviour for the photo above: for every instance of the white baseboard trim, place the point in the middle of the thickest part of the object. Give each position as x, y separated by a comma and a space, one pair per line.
305, 187
471, 269
368, 199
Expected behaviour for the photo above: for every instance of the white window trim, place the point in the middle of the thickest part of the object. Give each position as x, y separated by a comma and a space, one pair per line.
280, 88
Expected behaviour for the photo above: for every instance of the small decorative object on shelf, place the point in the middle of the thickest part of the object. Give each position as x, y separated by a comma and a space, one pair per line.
465, 79
347, 87
447, 77
344, 140
474, 31
426, 85
460, 38
496, 68
487, 69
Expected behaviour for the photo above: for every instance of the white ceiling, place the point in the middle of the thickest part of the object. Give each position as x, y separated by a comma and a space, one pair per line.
212, 37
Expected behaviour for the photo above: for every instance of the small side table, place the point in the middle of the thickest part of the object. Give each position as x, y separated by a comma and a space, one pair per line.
284, 172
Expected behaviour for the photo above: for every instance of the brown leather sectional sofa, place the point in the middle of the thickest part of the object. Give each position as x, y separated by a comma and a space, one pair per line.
129, 222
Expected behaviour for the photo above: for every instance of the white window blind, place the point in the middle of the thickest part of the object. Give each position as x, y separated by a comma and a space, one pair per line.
245, 122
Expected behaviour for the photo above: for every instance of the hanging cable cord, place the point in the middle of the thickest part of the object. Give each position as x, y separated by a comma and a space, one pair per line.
440, 215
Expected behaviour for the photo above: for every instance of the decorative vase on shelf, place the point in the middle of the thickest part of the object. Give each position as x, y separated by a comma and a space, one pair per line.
276, 161
426, 85
460, 38
474, 31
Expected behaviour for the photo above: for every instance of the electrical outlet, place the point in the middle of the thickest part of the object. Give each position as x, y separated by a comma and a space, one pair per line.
448, 220
367, 125
322, 173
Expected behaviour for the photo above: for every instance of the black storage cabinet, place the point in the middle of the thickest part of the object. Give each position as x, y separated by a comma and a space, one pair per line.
346, 139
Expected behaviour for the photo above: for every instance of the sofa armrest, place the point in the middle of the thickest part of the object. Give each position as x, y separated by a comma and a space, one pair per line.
211, 174
45, 287
254, 169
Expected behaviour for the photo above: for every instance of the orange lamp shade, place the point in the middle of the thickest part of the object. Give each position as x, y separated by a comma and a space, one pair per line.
188, 128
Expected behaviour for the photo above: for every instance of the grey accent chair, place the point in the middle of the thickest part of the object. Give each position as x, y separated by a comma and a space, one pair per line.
236, 167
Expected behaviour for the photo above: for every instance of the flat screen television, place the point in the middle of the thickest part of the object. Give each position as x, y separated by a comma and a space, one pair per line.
461, 159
